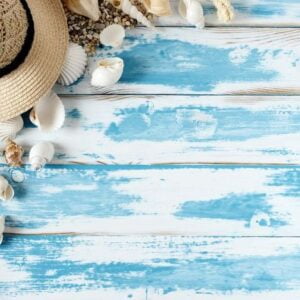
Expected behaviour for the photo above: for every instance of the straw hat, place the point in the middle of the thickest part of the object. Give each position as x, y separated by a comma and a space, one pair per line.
33, 43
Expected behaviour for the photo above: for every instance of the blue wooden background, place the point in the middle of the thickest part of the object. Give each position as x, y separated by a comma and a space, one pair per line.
182, 181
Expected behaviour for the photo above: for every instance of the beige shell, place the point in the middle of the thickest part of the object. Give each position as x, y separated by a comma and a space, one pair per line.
13, 154
192, 11
49, 113
10, 128
225, 10
113, 35
74, 65
158, 7
128, 8
87, 8
2, 227
6, 191
41, 154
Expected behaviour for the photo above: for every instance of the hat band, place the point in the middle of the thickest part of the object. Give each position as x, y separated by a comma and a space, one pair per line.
20, 58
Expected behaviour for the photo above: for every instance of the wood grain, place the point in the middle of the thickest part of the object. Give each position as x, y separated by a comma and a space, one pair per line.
174, 129
101, 267
217, 200
217, 61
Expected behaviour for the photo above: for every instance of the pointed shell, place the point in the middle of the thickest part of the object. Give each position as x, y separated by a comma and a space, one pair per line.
49, 113
192, 11
40, 154
2, 227
13, 154
128, 8
10, 128
225, 10
6, 190
74, 65
87, 8
158, 7
108, 72
112, 35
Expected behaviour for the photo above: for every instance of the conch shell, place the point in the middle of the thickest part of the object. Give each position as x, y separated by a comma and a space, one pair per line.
49, 113
2, 226
87, 8
112, 35
13, 154
158, 8
192, 11
108, 72
131, 10
224, 9
6, 192
40, 154
10, 128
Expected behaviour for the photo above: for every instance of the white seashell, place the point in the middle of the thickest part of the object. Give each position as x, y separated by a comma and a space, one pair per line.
158, 7
40, 154
49, 113
74, 65
10, 128
108, 72
2, 227
131, 10
87, 8
6, 190
112, 35
192, 11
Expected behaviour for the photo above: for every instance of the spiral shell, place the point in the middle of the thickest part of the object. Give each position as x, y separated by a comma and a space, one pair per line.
40, 154
6, 191
158, 7
192, 11
10, 128
74, 65
13, 154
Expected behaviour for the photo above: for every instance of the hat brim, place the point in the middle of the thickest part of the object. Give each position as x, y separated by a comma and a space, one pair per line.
22, 88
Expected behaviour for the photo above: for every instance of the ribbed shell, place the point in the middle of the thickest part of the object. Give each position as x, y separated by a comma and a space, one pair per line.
10, 128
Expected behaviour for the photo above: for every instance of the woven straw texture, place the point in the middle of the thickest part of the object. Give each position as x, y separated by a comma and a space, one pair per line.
22, 88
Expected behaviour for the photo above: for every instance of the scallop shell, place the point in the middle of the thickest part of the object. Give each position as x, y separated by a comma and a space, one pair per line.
41, 154
2, 227
6, 190
49, 113
112, 35
10, 128
192, 11
87, 8
158, 7
108, 72
74, 65
128, 8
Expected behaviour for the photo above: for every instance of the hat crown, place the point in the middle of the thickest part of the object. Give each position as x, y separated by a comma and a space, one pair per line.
13, 30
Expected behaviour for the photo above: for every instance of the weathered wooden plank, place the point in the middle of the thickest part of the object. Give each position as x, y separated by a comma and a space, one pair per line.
101, 267
184, 61
247, 13
218, 200
177, 129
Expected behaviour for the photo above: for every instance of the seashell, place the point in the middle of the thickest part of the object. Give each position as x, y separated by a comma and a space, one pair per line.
49, 113
131, 10
13, 154
2, 227
112, 35
87, 8
108, 72
74, 65
158, 8
192, 11
224, 9
10, 128
40, 154
6, 190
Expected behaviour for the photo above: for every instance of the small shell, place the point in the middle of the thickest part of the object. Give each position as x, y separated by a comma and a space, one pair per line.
49, 113
112, 35
87, 8
13, 154
192, 11
40, 154
158, 7
128, 8
6, 190
108, 72
10, 128
225, 10
74, 65
2, 227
